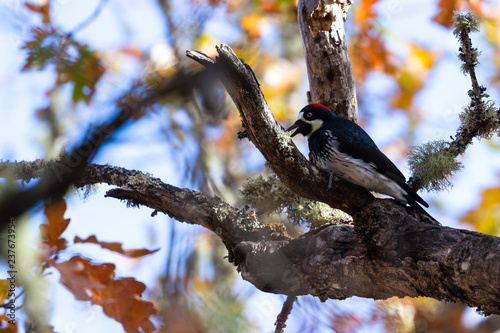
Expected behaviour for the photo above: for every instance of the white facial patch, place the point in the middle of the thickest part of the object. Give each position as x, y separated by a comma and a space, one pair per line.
315, 124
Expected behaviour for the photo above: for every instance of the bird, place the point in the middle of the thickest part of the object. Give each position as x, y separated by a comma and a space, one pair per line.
341, 146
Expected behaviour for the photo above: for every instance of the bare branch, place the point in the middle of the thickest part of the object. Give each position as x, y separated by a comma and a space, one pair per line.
285, 312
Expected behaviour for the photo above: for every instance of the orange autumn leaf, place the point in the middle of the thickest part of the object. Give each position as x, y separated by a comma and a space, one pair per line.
7, 327
369, 54
116, 247
43, 8
80, 276
364, 12
411, 77
269, 6
56, 224
252, 24
486, 217
120, 298
126, 306
446, 11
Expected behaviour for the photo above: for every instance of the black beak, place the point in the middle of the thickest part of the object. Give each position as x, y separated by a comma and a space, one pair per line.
298, 125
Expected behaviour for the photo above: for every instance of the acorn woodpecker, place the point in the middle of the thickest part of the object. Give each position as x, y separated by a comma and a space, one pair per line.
340, 145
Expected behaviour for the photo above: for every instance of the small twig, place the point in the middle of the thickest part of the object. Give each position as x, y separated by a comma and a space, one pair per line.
464, 25
200, 57
283, 316
89, 19
476, 118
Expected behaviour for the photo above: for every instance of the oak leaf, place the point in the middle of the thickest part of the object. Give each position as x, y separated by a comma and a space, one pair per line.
84, 72
41, 50
56, 224
120, 298
115, 247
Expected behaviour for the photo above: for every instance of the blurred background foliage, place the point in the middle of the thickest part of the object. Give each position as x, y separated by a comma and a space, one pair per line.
80, 58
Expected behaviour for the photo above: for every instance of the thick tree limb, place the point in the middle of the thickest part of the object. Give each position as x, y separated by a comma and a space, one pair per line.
397, 255
331, 81
388, 252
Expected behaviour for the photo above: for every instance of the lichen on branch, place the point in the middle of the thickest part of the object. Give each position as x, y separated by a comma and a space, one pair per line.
272, 196
434, 162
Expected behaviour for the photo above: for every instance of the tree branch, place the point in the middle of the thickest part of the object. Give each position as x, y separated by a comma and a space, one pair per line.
285, 312
388, 252
397, 256
434, 162
331, 81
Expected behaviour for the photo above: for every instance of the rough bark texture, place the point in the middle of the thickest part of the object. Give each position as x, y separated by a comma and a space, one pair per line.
384, 254
331, 82
387, 253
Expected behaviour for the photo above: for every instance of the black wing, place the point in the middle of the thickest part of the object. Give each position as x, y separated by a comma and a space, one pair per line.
354, 141
357, 143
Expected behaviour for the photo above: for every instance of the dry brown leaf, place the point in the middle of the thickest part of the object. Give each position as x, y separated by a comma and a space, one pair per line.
116, 247
43, 8
119, 298
56, 224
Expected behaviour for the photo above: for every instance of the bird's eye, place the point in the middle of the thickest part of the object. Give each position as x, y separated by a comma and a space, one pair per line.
309, 114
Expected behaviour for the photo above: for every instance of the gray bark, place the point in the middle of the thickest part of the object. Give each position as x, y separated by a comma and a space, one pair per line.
387, 253
331, 81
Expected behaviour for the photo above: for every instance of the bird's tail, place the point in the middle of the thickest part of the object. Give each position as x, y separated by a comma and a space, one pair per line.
412, 196
414, 200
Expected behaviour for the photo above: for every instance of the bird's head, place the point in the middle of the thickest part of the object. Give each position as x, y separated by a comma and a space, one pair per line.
310, 119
